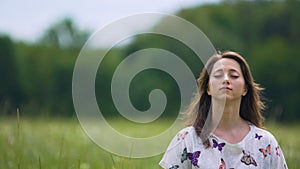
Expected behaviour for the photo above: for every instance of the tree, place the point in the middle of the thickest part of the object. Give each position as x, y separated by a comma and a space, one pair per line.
10, 94
64, 34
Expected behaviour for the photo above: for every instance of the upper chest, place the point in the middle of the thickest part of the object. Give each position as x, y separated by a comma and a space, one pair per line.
220, 154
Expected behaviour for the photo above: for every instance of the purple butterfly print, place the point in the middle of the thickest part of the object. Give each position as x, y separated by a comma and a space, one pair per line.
217, 145
194, 158
258, 136
191, 156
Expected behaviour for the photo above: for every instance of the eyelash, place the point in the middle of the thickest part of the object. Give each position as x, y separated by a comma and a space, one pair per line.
235, 76
232, 76
218, 76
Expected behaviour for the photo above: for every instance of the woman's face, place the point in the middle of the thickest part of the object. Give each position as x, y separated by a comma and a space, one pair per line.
226, 80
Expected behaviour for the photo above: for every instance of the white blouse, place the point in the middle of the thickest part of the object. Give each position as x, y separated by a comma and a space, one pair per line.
258, 150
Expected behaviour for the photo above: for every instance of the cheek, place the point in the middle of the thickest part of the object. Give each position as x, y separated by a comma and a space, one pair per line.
212, 85
241, 85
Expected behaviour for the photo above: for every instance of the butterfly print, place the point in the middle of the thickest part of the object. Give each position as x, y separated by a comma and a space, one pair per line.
258, 136
174, 167
194, 158
182, 135
277, 150
266, 151
217, 145
247, 159
184, 155
191, 156
222, 166
178, 136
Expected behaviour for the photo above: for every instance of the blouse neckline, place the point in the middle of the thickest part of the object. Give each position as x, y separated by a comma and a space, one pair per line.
240, 143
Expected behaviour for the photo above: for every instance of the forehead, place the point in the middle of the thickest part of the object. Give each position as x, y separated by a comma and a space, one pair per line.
226, 64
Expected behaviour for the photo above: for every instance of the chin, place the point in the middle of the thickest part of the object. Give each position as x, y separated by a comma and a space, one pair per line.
225, 97
222, 97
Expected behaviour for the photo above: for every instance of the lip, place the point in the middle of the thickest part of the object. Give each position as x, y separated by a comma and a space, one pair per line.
225, 88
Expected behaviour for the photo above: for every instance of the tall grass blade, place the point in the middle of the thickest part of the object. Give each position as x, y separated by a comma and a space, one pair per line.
61, 152
78, 164
40, 163
18, 140
113, 161
18, 124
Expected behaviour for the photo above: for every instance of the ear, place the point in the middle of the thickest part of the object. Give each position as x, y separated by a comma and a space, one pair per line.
208, 90
245, 91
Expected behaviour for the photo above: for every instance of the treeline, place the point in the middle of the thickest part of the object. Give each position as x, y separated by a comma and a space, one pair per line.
266, 33
37, 78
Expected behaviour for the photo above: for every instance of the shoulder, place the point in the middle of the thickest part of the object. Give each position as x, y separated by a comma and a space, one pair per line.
183, 138
264, 146
262, 134
186, 133
189, 130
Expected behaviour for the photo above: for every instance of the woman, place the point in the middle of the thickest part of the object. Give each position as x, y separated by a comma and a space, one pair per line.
225, 127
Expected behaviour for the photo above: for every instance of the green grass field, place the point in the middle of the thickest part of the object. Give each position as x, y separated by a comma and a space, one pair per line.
62, 144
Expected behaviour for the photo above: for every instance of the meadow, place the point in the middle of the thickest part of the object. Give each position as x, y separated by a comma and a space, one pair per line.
48, 143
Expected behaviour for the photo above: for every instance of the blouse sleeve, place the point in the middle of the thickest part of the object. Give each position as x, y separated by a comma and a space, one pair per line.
176, 154
277, 157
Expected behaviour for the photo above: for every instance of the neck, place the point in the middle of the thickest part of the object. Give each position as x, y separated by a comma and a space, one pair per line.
228, 114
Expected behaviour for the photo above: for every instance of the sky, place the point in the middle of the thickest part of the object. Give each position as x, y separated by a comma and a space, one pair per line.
27, 20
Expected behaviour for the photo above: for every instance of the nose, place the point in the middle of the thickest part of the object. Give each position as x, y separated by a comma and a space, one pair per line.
226, 79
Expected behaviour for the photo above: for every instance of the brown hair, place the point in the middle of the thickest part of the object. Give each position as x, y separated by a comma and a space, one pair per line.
251, 104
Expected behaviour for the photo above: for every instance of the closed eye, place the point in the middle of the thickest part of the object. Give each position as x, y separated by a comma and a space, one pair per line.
235, 76
218, 76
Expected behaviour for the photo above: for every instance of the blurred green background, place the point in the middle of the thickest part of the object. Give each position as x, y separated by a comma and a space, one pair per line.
37, 77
